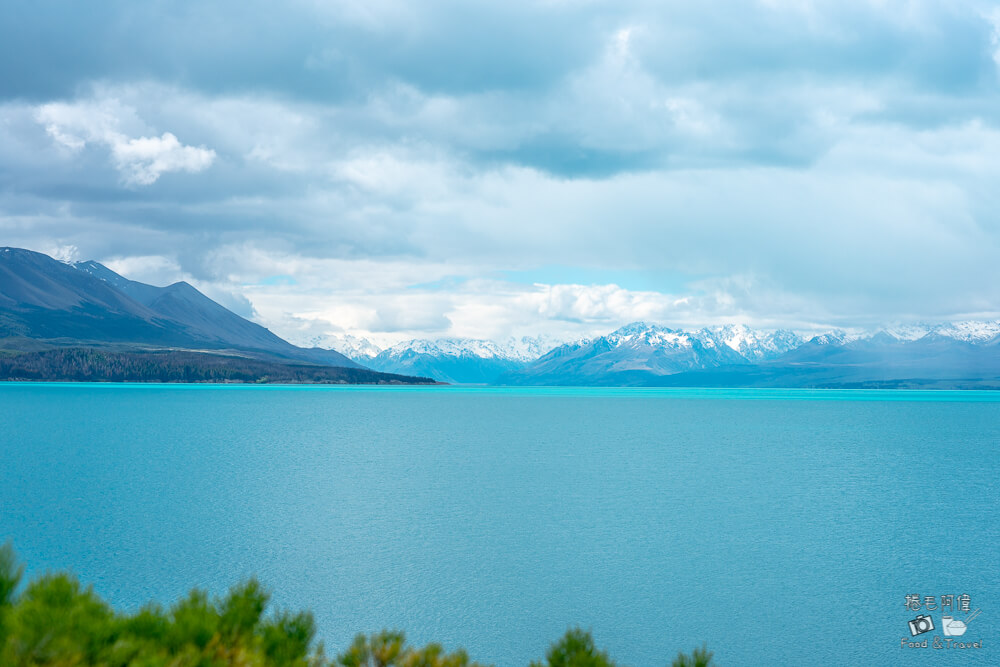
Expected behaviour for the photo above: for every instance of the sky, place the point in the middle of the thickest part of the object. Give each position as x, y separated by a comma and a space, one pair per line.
398, 170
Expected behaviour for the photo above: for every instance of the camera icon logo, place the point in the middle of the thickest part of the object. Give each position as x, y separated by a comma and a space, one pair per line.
920, 625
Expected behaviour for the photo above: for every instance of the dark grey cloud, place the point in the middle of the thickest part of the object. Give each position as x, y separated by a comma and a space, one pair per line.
312, 50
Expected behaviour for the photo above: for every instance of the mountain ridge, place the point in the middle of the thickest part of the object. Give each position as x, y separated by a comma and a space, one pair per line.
49, 304
649, 355
450, 359
46, 302
644, 353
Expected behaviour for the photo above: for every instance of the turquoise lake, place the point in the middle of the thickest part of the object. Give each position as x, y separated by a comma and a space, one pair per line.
780, 527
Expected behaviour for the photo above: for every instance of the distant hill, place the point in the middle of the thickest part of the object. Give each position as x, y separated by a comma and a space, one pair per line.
103, 365
45, 304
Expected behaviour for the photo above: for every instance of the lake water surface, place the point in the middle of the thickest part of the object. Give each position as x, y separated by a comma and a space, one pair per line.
782, 527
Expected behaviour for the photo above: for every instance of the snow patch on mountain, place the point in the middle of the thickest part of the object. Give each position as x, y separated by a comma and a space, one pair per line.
705, 347
353, 347
905, 332
524, 349
751, 344
969, 331
975, 332
643, 333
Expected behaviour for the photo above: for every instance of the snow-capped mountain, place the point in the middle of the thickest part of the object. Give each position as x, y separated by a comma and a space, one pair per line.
644, 353
737, 355
352, 347
461, 360
968, 331
752, 344
632, 353
835, 337
514, 349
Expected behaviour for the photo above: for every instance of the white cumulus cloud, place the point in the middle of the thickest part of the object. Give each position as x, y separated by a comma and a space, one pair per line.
141, 160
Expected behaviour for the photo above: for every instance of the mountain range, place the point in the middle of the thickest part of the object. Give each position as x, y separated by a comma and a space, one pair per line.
453, 360
954, 355
949, 355
47, 304
638, 352
84, 321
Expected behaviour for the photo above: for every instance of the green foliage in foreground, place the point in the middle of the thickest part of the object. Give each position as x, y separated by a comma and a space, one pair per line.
575, 649
54, 622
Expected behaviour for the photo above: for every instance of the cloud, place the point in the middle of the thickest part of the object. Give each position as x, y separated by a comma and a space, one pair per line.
782, 162
140, 160
152, 269
994, 19
497, 309
64, 253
